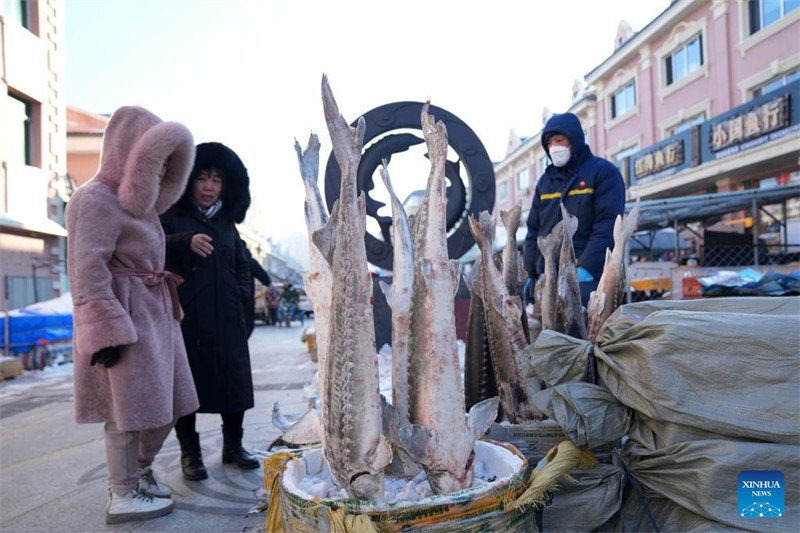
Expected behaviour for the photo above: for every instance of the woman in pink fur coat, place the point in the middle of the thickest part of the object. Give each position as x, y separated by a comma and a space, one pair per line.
130, 365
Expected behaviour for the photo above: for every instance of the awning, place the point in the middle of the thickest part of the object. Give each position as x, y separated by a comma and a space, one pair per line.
657, 214
658, 241
35, 225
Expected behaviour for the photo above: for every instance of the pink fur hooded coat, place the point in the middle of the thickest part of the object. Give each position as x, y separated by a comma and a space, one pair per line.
112, 223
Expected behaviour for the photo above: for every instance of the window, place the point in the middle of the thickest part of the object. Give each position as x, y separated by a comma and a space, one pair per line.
17, 10
623, 100
686, 124
502, 191
22, 291
523, 179
620, 156
543, 163
777, 83
765, 12
20, 133
684, 60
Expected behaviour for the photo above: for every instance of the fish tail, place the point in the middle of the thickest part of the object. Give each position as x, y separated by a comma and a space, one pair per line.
511, 218
384, 170
550, 243
570, 222
482, 230
308, 157
624, 227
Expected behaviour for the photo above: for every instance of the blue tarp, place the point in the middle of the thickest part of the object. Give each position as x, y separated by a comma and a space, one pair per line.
27, 328
770, 284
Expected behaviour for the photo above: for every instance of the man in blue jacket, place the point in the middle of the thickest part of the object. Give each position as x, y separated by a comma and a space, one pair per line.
590, 187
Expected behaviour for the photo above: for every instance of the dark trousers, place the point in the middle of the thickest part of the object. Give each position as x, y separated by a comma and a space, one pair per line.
185, 426
273, 316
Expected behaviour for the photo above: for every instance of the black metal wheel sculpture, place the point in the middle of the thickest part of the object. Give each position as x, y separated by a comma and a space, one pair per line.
463, 199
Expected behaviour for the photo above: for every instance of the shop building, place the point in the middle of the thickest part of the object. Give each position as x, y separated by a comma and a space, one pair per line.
704, 99
32, 152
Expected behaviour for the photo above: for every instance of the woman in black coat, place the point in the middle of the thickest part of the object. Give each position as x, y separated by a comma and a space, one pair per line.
204, 248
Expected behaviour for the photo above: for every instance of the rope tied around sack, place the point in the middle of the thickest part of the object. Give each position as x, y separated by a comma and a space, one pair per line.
272, 476
343, 522
557, 463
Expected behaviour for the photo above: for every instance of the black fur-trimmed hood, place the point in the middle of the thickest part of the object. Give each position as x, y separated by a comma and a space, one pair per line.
235, 184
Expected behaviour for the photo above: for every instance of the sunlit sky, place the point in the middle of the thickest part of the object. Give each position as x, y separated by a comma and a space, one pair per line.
247, 73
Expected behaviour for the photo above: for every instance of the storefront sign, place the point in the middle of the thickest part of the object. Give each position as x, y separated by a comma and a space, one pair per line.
767, 118
750, 123
663, 159
654, 161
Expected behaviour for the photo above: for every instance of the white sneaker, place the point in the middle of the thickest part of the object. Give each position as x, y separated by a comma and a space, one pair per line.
151, 487
135, 505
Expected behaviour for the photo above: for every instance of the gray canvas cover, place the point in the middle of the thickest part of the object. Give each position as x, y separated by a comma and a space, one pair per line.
705, 389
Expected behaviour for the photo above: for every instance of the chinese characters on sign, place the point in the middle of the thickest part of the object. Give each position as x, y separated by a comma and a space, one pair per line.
667, 156
754, 122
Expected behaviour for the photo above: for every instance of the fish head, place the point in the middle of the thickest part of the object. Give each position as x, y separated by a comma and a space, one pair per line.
445, 482
366, 486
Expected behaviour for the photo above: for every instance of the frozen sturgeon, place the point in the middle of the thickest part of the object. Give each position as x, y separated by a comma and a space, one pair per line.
550, 248
514, 274
398, 297
506, 337
317, 279
569, 311
613, 282
479, 381
441, 437
351, 408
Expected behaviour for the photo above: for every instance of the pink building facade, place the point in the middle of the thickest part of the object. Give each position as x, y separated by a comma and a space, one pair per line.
703, 99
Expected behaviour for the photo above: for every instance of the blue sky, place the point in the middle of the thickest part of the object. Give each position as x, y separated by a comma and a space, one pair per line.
247, 73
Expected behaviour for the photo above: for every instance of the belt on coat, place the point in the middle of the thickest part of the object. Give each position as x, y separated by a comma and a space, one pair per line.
166, 281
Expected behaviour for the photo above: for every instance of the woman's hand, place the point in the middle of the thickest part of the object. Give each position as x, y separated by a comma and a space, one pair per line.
107, 357
201, 244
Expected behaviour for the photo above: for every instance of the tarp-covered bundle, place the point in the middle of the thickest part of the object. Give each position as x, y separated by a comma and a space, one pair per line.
39, 324
705, 389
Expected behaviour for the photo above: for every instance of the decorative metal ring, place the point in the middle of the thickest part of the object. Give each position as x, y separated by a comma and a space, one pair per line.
462, 200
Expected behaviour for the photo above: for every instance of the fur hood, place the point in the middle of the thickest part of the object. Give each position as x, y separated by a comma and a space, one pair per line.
135, 145
235, 184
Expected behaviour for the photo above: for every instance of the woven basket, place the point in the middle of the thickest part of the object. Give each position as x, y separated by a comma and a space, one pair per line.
475, 509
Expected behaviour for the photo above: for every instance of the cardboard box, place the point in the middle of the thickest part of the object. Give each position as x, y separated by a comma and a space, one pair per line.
10, 367
691, 287
652, 284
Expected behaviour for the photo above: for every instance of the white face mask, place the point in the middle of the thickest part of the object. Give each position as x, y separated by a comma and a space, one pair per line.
560, 155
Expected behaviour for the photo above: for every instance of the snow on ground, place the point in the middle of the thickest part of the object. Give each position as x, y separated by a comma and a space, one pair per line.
34, 378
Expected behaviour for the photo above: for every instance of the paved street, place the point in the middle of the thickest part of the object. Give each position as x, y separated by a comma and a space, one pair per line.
52, 471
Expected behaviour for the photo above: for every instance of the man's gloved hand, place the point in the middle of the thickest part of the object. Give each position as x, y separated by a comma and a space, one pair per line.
584, 275
529, 290
107, 357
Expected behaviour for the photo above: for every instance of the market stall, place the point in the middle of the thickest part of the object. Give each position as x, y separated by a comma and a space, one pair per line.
629, 417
